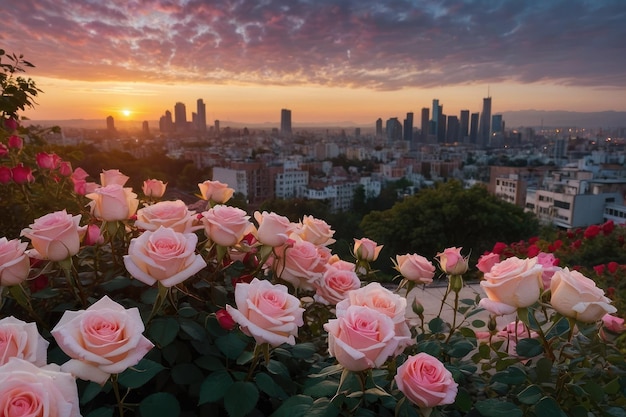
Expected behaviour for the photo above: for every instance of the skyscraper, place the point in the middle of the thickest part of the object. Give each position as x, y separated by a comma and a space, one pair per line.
201, 116
379, 127
464, 124
180, 116
393, 128
425, 123
473, 127
408, 128
435, 119
285, 122
110, 124
484, 128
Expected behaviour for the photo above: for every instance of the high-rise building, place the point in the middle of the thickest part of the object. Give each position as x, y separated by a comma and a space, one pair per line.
379, 128
441, 126
497, 125
110, 124
145, 128
464, 124
484, 127
166, 125
408, 128
393, 128
473, 136
452, 132
435, 119
201, 116
285, 122
180, 117
216, 125
425, 123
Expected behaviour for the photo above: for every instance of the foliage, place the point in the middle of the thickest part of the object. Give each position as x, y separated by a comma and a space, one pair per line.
448, 215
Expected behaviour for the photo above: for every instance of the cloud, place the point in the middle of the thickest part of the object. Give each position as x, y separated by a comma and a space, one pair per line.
360, 43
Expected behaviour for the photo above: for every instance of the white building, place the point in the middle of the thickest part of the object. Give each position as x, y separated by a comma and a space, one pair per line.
290, 183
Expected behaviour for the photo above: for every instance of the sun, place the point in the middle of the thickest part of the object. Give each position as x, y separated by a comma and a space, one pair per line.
126, 112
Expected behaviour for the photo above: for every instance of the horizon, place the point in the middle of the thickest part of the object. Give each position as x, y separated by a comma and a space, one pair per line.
327, 62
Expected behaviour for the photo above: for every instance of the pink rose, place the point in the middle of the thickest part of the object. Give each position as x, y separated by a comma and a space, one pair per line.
316, 231
93, 235
425, 381
172, 214
31, 391
415, 268
550, 266
361, 338
112, 176
79, 174
55, 236
511, 284
47, 160
163, 255
153, 188
6, 175
366, 249
215, 191
300, 264
578, 297
22, 174
267, 312
613, 323
15, 142
105, 339
65, 168
113, 203
334, 285
379, 298
14, 263
487, 261
226, 225
337, 263
452, 262
273, 228
22, 340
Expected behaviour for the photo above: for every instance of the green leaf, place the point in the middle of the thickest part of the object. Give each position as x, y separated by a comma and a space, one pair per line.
241, 398
528, 348
548, 407
478, 324
544, 370
159, 404
433, 348
163, 331
530, 395
594, 390
193, 329
266, 384
303, 350
186, 374
463, 400
497, 408
117, 283
295, 406
460, 349
325, 388
436, 325
187, 312
510, 376
210, 363
101, 412
214, 386
231, 345
136, 376
278, 368
91, 390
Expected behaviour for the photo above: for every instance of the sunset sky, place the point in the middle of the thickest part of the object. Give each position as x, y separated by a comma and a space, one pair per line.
327, 61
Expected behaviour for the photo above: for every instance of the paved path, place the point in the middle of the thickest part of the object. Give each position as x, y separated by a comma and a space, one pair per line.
430, 297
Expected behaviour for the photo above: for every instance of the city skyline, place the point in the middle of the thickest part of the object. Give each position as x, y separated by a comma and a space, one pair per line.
327, 61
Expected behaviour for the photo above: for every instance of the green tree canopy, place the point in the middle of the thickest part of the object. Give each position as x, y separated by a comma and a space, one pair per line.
448, 215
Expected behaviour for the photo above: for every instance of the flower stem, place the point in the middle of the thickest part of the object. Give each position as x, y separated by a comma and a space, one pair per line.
118, 398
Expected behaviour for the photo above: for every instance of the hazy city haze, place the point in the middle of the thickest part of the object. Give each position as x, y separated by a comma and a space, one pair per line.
326, 61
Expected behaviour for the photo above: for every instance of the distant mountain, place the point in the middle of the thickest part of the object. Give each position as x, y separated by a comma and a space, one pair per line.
538, 118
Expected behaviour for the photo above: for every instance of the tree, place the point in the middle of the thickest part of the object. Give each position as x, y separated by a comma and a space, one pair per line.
448, 215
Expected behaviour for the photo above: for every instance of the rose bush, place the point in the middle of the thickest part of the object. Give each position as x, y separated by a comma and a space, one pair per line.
260, 317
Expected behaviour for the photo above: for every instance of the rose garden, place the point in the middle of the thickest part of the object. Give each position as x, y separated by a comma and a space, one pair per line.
122, 303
